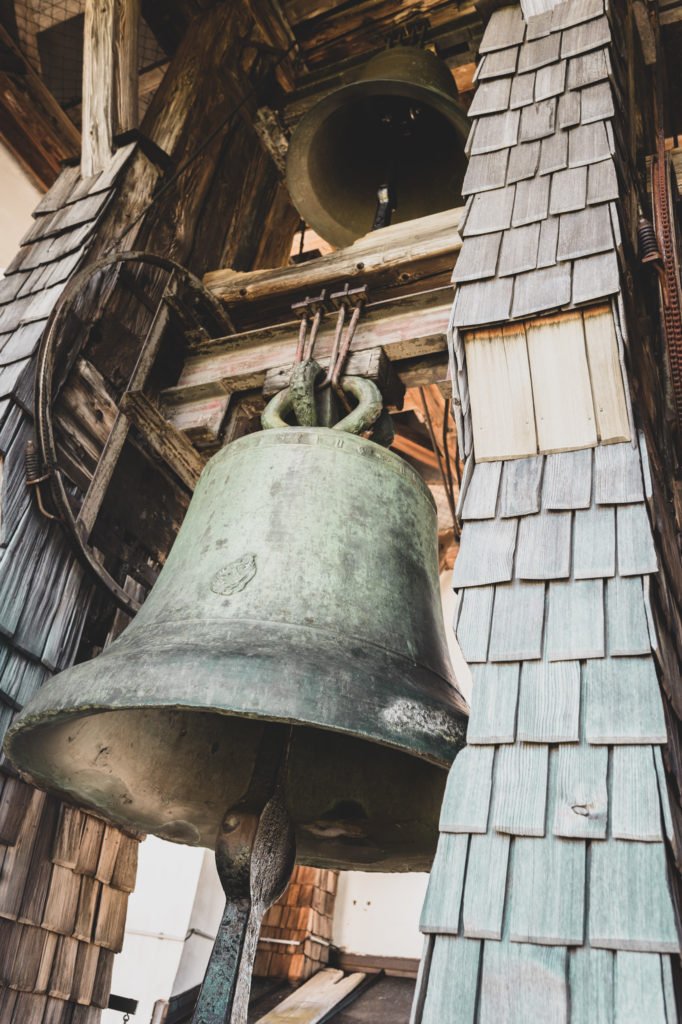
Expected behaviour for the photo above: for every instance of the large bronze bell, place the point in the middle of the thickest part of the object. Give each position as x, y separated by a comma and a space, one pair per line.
398, 127
302, 588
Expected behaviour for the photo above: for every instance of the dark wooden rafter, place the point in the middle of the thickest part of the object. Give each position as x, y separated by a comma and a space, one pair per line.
32, 124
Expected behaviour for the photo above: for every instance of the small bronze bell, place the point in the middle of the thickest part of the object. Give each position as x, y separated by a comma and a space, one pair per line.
393, 137
302, 588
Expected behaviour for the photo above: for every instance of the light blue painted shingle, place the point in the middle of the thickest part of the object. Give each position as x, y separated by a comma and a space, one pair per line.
575, 620
543, 549
617, 474
493, 705
440, 914
591, 981
549, 702
543, 995
473, 624
568, 480
639, 994
521, 480
623, 702
580, 801
518, 614
635, 804
480, 501
486, 554
467, 792
547, 889
594, 543
627, 629
520, 789
453, 981
636, 550
484, 892
630, 903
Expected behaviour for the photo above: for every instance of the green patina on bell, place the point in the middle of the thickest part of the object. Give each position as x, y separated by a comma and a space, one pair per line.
302, 588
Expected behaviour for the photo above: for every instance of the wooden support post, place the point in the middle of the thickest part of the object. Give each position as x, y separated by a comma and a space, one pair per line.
110, 78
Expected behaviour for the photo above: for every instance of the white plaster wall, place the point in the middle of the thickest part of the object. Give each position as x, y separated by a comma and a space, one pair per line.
18, 198
159, 914
379, 913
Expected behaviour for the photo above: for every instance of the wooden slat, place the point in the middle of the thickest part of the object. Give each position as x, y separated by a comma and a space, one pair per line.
67, 840
85, 973
623, 702
664, 799
125, 870
88, 901
62, 901
635, 803
111, 844
17, 860
493, 705
575, 620
473, 623
164, 439
617, 475
626, 619
543, 993
639, 993
581, 798
520, 789
111, 919
518, 614
594, 543
636, 550
549, 702
591, 982
644, 922
452, 983
521, 482
90, 846
486, 554
310, 1003
440, 914
63, 969
467, 793
501, 394
561, 384
39, 875
15, 801
544, 546
606, 375
484, 893
547, 889
480, 501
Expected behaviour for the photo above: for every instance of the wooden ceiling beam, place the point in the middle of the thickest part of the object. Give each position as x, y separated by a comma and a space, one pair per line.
32, 124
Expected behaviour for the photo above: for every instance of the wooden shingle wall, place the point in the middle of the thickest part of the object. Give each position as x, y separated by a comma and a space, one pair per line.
550, 898
65, 877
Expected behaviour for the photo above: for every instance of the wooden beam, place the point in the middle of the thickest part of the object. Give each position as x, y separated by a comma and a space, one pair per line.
32, 124
163, 438
110, 79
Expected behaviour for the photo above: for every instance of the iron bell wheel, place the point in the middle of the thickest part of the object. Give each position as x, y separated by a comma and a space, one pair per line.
302, 588
400, 119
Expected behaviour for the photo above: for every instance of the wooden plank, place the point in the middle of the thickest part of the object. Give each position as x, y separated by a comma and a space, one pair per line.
440, 913
88, 902
636, 549
580, 799
63, 969
467, 792
164, 439
608, 390
486, 553
549, 702
484, 893
111, 919
125, 871
16, 798
17, 860
32, 905
561, 384
374, 258
638, 988
617, 475
520, 790
594, 543
312, 1002
67, 839
111, 844
493, 705
522, 983
518, 615
623, 702
635, 802
62, 901
664, 799
501, 395
644, 922
480, 501
521, 480
591, 984
627, 628
575, 620
543, 550
453, 981
547, 891
473, 623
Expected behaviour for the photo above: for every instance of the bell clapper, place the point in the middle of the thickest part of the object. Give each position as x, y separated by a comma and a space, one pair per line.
255, 857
